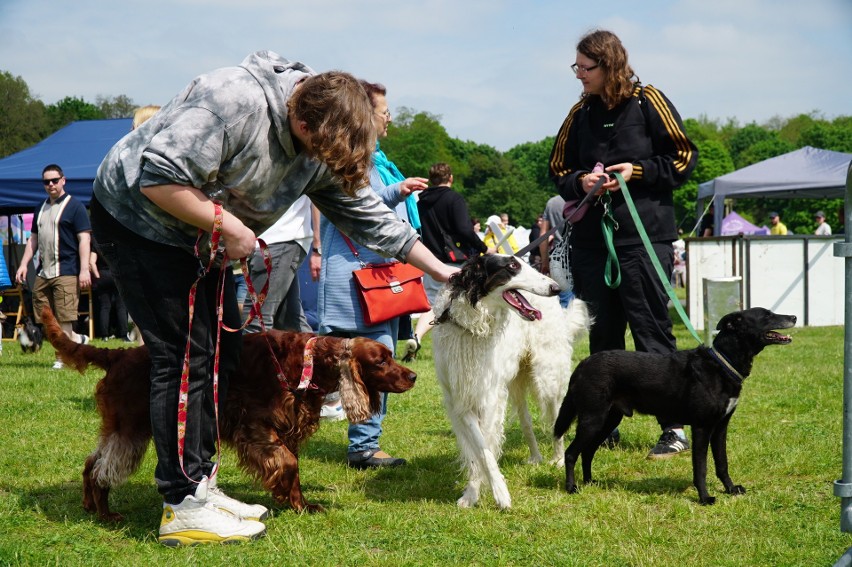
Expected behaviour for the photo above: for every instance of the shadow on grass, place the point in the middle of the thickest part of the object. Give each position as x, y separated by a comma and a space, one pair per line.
137, 501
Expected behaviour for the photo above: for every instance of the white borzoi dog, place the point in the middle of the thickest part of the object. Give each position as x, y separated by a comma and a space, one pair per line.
492, 344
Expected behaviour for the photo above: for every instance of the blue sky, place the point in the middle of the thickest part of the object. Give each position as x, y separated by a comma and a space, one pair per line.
495, 71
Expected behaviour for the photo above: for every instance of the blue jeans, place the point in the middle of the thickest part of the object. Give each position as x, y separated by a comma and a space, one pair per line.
365, 436
154, 280
282, 308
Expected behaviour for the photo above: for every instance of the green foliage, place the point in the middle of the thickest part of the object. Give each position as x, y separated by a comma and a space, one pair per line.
836, 136
120, 106
70, 109
22, 117
415, 141
533, 159
713, 161
744, 139
764, 149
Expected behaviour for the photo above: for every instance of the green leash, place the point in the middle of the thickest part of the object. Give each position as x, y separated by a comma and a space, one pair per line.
609, 225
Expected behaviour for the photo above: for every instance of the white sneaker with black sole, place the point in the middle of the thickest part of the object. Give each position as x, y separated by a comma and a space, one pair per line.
197, 520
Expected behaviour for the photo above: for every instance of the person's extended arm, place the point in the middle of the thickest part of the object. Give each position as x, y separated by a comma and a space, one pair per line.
29, 252
421, 257
84, 250
316, 259
193, 207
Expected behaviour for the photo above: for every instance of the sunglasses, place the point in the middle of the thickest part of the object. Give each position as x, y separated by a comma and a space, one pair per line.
48, 182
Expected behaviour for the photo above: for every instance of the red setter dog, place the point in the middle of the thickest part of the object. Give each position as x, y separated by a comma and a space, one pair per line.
264, 422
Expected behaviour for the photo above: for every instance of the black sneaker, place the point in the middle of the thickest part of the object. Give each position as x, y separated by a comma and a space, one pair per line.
669, 445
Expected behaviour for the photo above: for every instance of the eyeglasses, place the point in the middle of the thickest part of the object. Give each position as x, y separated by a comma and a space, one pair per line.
386, 114
577, 68
49, 182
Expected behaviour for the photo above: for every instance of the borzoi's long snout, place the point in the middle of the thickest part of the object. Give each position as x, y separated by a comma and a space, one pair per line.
531, 280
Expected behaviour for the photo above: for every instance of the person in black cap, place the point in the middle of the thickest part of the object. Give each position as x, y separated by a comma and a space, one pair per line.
823, 228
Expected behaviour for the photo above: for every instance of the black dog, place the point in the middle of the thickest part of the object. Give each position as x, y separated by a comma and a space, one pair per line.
29, 335
699, 387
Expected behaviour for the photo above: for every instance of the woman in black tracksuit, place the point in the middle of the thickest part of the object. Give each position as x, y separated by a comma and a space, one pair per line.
633, 130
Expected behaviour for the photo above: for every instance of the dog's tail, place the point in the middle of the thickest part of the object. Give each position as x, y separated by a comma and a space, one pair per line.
567, 415
73, 354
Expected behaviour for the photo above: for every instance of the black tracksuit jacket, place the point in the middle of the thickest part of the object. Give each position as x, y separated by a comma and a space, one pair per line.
644, 130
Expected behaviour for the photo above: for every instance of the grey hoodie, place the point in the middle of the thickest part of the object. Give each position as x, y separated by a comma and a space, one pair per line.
228, 134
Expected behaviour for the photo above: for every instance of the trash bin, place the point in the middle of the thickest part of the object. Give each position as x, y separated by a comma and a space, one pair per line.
721, 296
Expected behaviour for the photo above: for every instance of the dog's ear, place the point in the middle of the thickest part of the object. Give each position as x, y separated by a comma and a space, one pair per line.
729, 321
353, 393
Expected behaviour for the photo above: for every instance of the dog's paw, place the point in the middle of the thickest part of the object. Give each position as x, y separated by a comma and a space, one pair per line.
466, 502
709, 501
502, 497
535, 459
558, 462
736, 490
571, 488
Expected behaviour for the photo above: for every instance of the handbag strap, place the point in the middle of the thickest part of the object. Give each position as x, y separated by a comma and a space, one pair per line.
354, 251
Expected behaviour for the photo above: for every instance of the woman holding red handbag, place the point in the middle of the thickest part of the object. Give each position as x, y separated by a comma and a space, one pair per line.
338, 307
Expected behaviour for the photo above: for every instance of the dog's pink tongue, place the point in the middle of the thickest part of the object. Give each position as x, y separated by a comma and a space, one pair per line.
521, 305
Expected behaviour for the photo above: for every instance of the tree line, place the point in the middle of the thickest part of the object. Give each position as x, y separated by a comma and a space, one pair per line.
516, 181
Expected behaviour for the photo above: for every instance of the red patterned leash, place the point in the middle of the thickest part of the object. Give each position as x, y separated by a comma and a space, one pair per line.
183, 397
257, 302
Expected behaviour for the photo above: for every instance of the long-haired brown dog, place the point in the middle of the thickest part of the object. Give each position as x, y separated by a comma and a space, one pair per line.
264, 422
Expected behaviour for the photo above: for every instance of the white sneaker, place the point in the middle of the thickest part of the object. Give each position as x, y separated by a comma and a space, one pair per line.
241, 509
332, 412
84, 339
58, 365
197, 520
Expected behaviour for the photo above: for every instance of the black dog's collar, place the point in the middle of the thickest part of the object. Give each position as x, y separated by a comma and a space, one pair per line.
729, 368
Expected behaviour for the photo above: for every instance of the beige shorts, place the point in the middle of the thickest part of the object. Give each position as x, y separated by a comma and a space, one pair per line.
62, 294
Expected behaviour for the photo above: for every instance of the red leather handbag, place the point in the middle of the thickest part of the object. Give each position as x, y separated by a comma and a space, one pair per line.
388, 290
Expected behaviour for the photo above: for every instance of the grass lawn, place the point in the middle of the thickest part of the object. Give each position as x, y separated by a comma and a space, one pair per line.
784, 447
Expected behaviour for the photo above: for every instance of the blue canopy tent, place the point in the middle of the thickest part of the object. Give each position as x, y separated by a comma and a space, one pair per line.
804, 173
77, 148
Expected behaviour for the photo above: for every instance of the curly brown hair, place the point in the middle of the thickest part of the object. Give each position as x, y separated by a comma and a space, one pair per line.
606, 50
339, 118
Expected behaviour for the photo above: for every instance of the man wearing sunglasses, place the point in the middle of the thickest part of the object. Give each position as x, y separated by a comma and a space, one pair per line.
61, 233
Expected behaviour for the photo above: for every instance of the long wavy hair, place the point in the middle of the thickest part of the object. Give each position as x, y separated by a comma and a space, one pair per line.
339, 119
606, 50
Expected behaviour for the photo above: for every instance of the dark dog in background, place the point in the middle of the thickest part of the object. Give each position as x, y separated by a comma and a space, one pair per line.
30, 336
264, 421
699, 387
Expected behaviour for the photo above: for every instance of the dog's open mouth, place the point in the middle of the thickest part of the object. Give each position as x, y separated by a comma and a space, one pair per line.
774, 337
514, 298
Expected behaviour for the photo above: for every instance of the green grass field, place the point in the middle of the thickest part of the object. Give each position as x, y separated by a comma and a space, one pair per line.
784, 447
